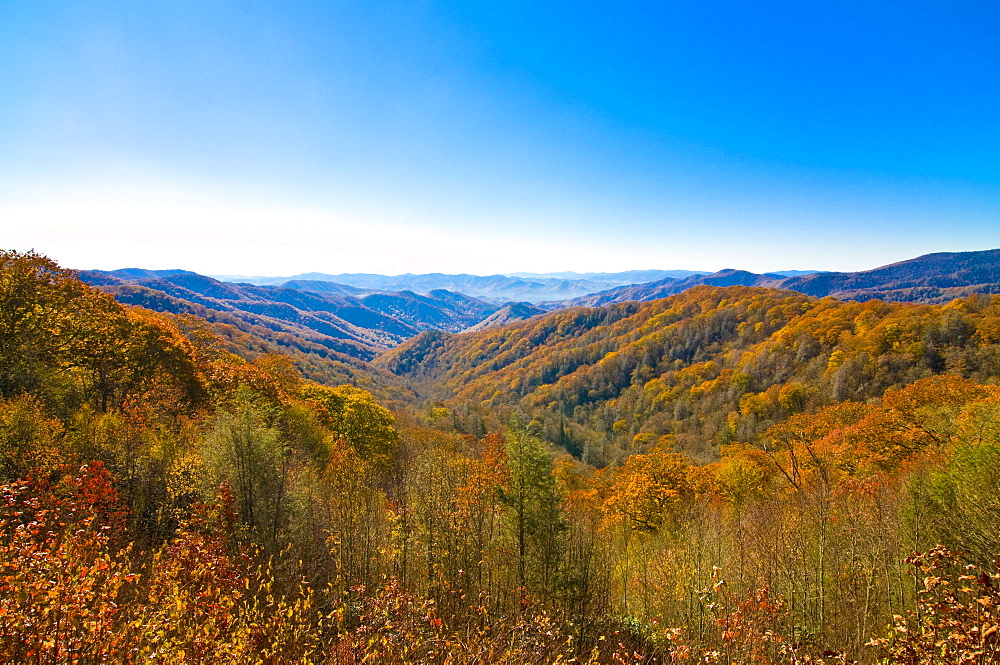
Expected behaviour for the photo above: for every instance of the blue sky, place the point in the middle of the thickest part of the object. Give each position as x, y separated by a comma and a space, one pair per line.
283, 137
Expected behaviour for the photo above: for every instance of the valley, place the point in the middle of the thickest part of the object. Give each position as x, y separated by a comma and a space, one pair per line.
499, 333
348, 475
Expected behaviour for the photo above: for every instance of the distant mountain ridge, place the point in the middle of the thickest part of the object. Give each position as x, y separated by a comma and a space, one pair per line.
527, 287
624, 277
507, 315
935, 275
344, 319
363, 319
931, 278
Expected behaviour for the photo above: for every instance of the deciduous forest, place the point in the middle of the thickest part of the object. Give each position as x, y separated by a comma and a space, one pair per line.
728, 475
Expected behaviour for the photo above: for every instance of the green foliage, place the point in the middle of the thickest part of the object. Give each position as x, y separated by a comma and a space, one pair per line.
961, 498
40, 325
30, 441
246, 450
534, 498
64, 341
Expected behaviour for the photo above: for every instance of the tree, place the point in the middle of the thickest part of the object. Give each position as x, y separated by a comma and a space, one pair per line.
29, 439
646, 488
42, 320
355, 416
534, 499
246, 450
59, 335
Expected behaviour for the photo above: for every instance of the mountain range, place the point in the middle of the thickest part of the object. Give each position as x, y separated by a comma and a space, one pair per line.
518, 287
361, 319
343, 319
932, 278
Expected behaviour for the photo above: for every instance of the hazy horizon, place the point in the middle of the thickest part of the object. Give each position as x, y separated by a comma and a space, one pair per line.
556, 274
553, 274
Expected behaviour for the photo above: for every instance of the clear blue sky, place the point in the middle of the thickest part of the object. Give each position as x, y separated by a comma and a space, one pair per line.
282, 137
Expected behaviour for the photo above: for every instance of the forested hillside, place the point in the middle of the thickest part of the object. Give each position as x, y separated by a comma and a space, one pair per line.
760, 477
705, 368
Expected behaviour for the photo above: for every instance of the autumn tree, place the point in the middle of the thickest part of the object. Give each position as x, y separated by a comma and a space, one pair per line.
355, 416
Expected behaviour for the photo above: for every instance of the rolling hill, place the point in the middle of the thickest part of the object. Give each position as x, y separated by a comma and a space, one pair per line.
342, 319
704, 368
507, 315
932, 278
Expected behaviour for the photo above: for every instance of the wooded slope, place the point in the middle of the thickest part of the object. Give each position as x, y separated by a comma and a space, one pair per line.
707, 367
